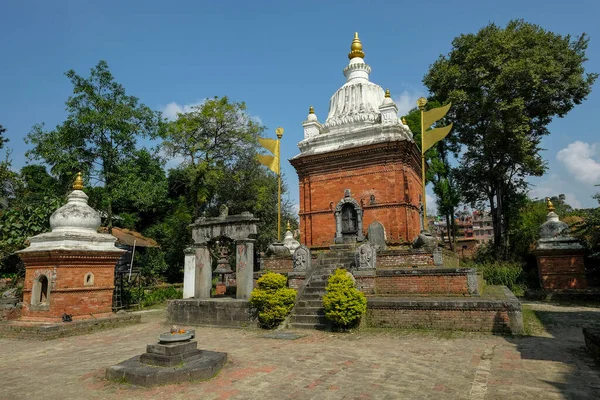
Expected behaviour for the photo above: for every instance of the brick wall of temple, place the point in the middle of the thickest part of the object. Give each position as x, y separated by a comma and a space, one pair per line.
384, 172
80, 285
562, 271
466, 320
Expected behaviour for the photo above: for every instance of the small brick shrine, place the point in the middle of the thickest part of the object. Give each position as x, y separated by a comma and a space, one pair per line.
70, 270
560, 257
360, 166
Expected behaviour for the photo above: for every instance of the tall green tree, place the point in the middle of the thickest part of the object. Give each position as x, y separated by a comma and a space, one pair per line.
439, 171
506, 85
210, 136
99, 134
2, 138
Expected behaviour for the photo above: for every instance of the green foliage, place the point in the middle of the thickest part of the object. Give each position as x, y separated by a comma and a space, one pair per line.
19, 222
213, 134
506, 85
2, 139
272, 300
99, 135
509, 274
344, 304
159, 295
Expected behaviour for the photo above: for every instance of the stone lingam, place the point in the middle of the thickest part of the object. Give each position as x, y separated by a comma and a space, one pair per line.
175, 358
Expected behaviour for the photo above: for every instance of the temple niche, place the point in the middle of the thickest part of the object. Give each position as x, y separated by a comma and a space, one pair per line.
358, 167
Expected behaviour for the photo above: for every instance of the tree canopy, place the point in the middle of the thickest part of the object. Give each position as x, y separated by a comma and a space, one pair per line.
506, 85
99, 134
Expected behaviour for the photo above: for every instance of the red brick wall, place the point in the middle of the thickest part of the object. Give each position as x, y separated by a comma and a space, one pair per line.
562, 271
421, 284
467, 320
278, 264
68, 293
393, 180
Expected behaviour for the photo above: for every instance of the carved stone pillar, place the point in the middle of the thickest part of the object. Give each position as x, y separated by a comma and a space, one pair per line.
203, 277
244, 256
189, 273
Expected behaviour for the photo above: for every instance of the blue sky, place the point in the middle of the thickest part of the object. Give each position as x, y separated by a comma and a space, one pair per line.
277, 56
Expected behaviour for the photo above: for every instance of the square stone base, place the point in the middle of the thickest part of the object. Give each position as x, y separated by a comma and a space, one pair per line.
206, 366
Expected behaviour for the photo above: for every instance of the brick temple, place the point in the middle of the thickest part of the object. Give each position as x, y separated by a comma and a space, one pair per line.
360, 166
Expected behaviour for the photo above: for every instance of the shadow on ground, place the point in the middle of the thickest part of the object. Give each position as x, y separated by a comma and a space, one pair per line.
563, 342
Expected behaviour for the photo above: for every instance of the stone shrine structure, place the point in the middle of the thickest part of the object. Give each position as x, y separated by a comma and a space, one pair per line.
70, 270
198, 274
560, 257
360, 166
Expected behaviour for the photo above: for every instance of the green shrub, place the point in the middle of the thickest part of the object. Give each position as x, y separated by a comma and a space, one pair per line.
343, 303
509, 274
150, 297
272, 300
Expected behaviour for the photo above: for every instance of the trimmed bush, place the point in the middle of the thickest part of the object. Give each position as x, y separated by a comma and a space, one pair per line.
272, 299
344, 304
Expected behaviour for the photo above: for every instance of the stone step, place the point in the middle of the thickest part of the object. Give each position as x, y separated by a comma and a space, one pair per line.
318, 291
310, 296
318, 302
318, 310
317, 284
309, 319
301, 325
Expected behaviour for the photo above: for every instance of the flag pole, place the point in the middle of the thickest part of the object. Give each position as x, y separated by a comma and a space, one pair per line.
421, 102
279, 132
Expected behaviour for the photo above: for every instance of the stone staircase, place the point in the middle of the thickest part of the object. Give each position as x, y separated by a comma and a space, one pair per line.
308, 312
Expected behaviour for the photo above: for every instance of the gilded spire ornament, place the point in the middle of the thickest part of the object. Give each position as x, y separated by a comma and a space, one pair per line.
404, 121
311, 110
356, 48
387, 93
78, 184
549, 205
289, 227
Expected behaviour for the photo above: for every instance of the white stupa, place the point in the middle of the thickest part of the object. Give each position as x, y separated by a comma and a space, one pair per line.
360, 113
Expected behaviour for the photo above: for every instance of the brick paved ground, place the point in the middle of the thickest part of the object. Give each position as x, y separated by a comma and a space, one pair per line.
365, 365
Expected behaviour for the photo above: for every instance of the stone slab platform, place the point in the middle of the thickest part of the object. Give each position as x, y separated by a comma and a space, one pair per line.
54, 330
205, 366
227, 312
497, 311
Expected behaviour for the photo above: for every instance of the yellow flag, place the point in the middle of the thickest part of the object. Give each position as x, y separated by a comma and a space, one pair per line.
271, 162
433, 136
429, 117
269, 144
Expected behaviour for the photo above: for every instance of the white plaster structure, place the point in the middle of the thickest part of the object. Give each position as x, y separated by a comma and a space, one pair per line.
289, 242
358, 113
74, 227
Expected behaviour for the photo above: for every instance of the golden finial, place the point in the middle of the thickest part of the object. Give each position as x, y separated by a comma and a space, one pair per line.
279, 132
387, 93
404, 121
356, 48
289, 227
549, 205
78, 184
311, 110
421, 102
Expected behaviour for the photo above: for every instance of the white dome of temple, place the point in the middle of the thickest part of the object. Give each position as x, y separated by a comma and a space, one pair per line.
358, 112
74, 227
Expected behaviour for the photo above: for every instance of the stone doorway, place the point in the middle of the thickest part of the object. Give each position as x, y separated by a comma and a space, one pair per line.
348, 220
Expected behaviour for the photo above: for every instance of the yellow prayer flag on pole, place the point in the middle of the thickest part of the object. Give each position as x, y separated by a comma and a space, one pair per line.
273, 163
433, 136
431, 116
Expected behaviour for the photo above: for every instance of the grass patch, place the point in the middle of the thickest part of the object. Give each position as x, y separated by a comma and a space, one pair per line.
532, 324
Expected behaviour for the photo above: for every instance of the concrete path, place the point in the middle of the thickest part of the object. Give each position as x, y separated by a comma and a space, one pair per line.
382, 364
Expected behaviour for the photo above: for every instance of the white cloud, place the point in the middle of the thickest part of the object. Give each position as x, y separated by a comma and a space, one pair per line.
171, 110
579, 159
431, 203
553, 187
295, 209
407, 101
